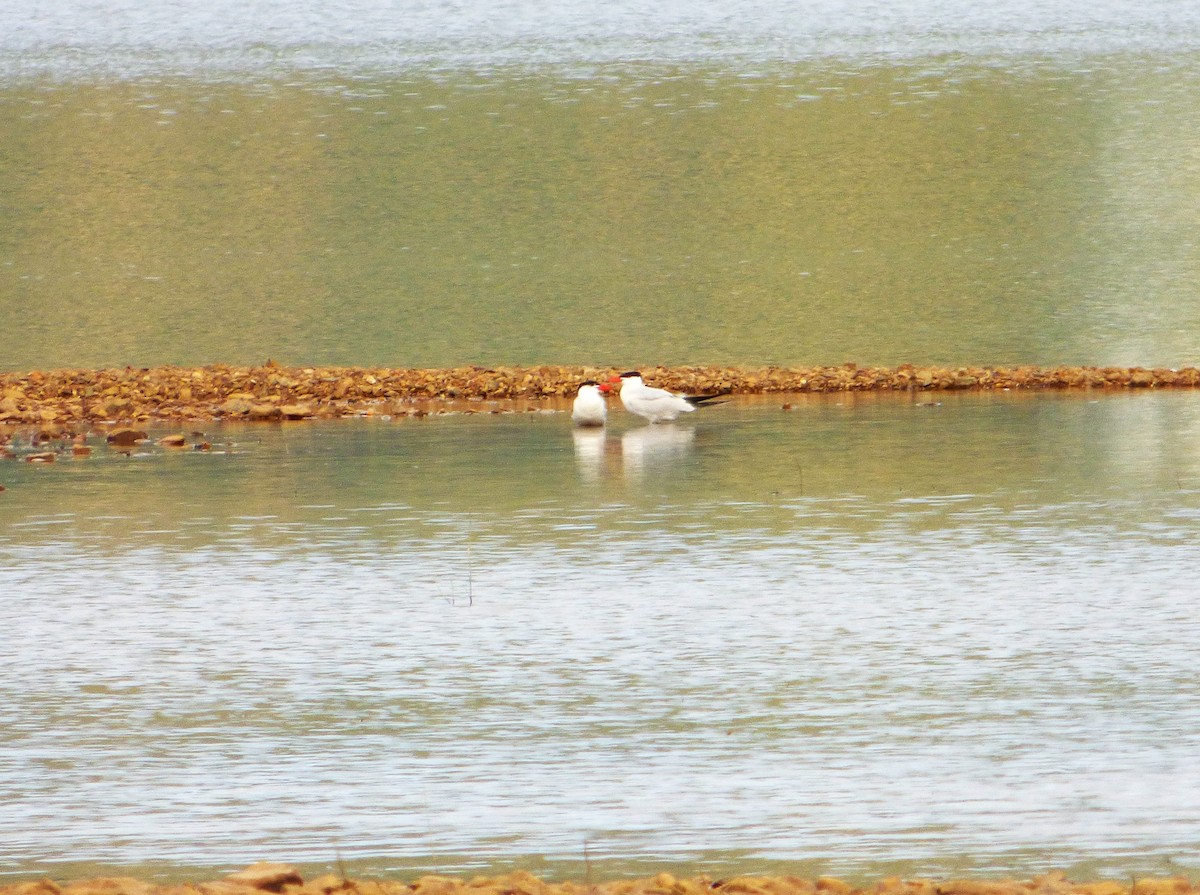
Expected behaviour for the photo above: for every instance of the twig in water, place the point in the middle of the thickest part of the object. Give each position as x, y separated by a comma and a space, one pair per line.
470, 579
341, 867
470, 575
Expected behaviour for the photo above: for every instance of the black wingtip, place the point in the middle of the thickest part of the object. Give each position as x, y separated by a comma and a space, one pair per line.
706, 400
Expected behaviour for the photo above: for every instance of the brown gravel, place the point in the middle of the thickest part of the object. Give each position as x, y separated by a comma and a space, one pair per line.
285, 880
274, 392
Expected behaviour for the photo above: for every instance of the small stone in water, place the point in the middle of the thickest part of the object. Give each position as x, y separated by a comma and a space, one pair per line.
126, 436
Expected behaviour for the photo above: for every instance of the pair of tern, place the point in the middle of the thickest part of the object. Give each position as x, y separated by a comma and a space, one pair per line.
654, 404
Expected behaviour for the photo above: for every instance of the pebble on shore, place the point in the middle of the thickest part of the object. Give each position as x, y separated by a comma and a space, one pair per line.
272, 392
282, 879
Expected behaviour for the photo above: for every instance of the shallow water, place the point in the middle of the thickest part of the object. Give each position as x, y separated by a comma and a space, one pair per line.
861, 635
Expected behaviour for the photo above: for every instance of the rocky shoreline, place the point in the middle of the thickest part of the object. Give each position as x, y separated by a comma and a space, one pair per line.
273, 392
282, 879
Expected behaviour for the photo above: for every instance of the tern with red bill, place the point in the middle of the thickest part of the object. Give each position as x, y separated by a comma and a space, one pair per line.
589, 408
657, 404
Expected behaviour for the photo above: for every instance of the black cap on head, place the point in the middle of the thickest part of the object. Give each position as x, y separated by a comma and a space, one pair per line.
629, 373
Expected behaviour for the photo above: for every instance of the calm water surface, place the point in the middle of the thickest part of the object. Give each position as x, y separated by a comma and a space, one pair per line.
735, 182
860, 636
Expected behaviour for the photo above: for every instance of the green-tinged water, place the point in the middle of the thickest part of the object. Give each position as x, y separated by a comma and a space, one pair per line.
865, 635
858, 636
817, 212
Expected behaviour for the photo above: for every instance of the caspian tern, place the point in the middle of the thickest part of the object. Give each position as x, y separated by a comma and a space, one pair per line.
589, 408
657, 404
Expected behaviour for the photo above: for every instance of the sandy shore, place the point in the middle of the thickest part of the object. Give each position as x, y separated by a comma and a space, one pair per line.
285, 880
274, 392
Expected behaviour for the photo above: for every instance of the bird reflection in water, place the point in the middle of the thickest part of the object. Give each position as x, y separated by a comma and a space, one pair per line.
659, 445
590, 446
639, 450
